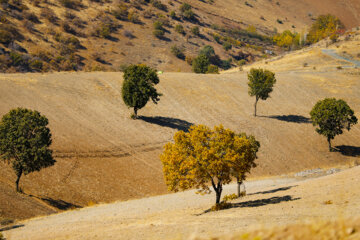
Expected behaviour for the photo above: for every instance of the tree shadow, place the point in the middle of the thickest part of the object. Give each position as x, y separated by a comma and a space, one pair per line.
59, 204
348, 150
274, 190
257, 203
174, 123
290, 118
7, 228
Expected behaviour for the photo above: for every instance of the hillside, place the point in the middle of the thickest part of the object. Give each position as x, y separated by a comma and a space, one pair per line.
92, 35
103, 156
330, 204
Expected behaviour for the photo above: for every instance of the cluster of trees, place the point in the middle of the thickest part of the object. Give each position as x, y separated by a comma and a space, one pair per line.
324, 26
208, 61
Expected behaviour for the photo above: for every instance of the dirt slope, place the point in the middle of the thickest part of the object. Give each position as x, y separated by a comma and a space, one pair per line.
183, 215
102, 155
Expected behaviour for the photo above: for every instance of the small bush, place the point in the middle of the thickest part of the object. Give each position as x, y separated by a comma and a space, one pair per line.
73, 4
242, 62
195, 30
5, 36
226, 64
220, 206
212, 69
305, 64
49, 15
178, 52
36, 65
339, 67
180, 29
121, 12
158, 33
230, 197
227, 46
200, 64
328, 202
173, 14
133, 17
1, 237
159, 5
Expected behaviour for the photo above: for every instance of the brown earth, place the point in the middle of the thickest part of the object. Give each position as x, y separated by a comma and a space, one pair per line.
102, 155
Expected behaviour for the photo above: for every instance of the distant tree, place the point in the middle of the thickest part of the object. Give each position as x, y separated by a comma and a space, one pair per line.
200, 64
24, 142
248, 163
138, 86
261, 83
331, 116
204, 156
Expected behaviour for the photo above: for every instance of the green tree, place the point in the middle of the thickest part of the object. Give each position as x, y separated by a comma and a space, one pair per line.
24, 142
261, 83
204, 156
331, 116
200, 64
207, 51
138, 86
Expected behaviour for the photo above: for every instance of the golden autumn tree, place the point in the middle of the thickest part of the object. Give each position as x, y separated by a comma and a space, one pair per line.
204, 156
248, 163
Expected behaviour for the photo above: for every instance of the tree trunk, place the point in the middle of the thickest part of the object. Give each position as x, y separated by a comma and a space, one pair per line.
135, 112
218, 195
238, 188
257, 99
18, 174
329, 142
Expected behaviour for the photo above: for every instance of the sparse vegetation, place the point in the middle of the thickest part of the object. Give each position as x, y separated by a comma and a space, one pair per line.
138, 87
261, 83
331, 116
24, 142
180, 29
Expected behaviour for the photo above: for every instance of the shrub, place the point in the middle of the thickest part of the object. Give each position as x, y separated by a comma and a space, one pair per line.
212, 69
242, 62
5, 36
230, 197
73, 4
180, 29
200, 64
121, 12
173, 14
226, 64
185, 7
159, 5
158, 25
195, 30
178, 52
186, 11
227, 46
158, 33
133, 17
49, 15
36, 65
31, 17
220, 206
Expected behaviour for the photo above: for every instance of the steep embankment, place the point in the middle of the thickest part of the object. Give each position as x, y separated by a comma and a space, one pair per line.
102, 155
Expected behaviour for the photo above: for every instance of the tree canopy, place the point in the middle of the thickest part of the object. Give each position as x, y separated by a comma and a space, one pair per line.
261, 83
24, 141
138, 86
203, 156
331, 116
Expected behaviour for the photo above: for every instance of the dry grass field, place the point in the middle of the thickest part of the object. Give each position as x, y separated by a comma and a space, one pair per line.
103, 156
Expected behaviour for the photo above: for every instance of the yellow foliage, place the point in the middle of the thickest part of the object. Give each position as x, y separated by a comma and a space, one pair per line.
203, 156
324, 26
